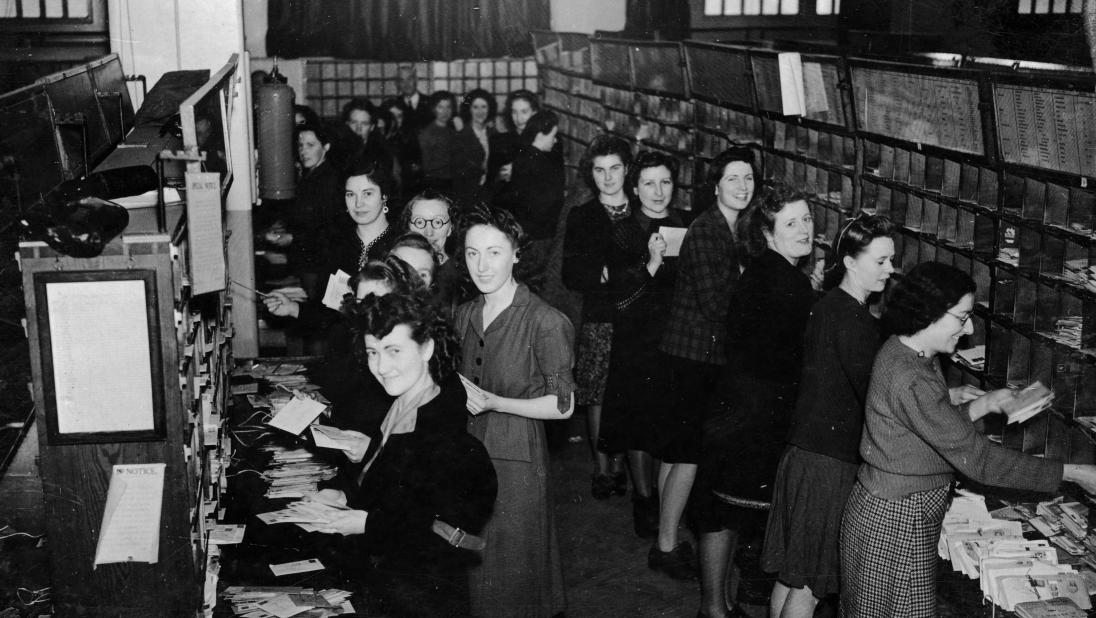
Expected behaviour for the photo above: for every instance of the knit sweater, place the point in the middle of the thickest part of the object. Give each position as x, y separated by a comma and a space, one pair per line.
915, 439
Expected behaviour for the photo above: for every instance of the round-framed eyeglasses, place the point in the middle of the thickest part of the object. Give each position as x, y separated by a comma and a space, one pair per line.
437, 223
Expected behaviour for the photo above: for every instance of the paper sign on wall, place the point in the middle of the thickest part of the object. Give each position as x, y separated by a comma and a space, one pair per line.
130, 531
205, 232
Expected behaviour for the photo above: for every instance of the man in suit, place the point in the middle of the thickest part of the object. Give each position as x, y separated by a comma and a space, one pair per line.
408, 83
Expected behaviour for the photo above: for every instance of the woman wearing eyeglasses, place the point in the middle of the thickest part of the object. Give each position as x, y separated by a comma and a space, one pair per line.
914, 442
433, 215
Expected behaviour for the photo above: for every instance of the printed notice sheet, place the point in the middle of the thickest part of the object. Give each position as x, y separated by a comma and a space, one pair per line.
205, 232
115, 395
130, 531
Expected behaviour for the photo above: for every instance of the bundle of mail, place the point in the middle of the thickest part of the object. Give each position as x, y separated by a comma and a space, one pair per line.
1013, 570
1067, 330
308, 515
1028, 402
972, 358
286, 601
294, 473
274, 373
1079, 272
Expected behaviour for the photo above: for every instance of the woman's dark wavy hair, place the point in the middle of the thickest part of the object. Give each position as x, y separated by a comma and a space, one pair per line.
321, 133
647, 160
603, 145
923, 295
359, 103
377, 174
725, 158
472, 95
540, 123
310, 117
443, 95
392, 271
378, 315
760, 216
501, 220
525, 95
851, 241
416, 241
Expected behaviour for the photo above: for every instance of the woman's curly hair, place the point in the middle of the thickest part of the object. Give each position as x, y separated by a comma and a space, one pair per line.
646, 160
603, 145
501, 220
396, 274
378, 315
923, 295
760, 216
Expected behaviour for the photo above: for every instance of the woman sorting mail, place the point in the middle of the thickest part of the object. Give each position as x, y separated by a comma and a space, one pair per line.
427, 486
915, 440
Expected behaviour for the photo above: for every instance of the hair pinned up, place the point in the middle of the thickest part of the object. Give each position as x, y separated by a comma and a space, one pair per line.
851, 241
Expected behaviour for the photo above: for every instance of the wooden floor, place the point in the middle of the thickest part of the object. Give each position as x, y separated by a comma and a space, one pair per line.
605, 563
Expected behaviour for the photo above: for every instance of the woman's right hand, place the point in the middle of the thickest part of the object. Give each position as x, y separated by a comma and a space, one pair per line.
656, 249
1083, 475
505, 172
279, 304
330, 497
357, 444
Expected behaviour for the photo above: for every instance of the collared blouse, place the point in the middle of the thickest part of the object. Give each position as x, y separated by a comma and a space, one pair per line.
526, 352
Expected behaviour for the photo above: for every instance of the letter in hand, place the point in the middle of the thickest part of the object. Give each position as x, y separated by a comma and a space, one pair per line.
479, 400
330, 497
343, 522
356, 444
656, 246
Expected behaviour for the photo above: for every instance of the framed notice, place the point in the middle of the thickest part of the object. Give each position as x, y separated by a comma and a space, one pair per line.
99, 337
923, 108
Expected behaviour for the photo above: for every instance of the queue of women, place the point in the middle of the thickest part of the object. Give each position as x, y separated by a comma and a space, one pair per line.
740, 387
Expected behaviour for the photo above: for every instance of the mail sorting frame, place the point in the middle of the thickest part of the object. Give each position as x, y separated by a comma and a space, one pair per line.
959, 200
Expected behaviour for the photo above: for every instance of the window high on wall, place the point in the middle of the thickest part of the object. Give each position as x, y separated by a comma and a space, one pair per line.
736, 8
1045, 7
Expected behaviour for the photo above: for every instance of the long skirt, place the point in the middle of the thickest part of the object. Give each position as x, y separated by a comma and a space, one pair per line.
888, 554
803, 534
521, 575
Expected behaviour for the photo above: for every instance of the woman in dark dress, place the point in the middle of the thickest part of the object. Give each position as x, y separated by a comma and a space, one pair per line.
426, 484
819, 465
402, 137
751, 410
362, 234
638, 398
478, 110
585, 270
317, 203
438, 143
